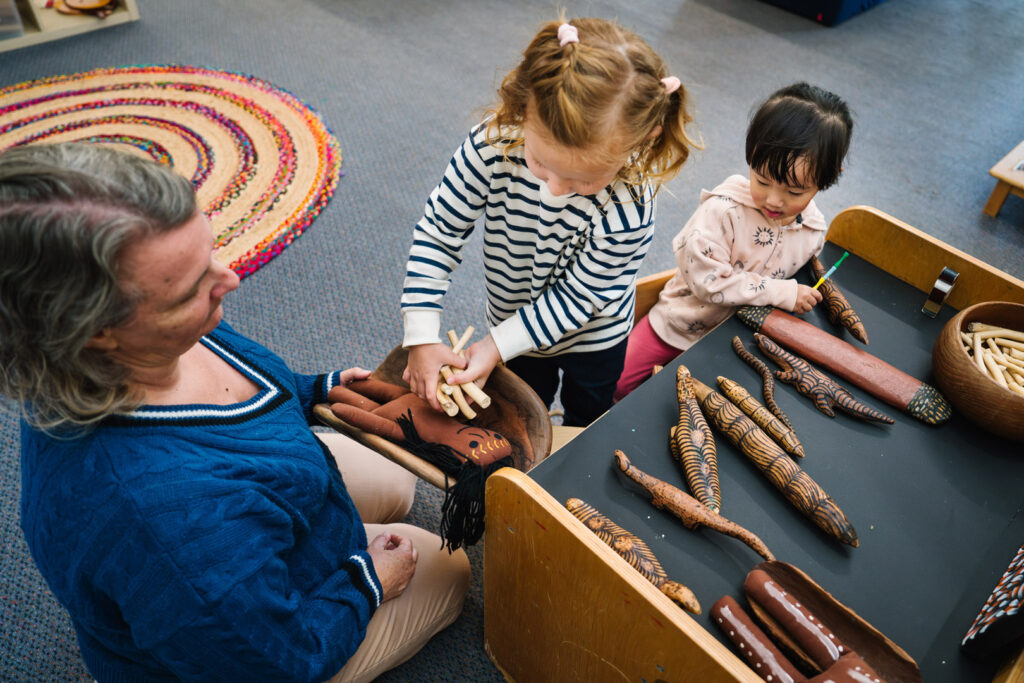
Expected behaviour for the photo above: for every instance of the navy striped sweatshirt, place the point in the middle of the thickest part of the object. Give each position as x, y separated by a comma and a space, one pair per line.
560, 271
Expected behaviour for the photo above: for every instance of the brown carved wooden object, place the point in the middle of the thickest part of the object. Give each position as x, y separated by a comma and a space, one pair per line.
853, 364
695, 445
851, 631
690, 511
782, 433
795, 484
767, 379
768, 662
801, 634
634, 551
815, 385
838, 309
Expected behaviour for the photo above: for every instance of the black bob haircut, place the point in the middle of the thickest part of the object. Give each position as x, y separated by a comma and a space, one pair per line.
800, 121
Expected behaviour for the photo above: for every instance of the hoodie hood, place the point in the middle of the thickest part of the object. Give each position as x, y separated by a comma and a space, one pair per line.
737, 188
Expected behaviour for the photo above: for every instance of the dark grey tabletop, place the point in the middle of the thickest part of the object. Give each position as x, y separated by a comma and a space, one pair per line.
937, 509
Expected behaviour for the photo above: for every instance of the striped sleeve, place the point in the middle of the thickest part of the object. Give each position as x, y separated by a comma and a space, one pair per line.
594, 291
439, 237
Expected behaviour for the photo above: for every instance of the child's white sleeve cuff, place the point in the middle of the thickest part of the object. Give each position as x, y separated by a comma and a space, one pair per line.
782, 294
421, 327
511, 338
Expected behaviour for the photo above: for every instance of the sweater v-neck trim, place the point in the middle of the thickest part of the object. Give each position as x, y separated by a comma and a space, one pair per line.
270, 394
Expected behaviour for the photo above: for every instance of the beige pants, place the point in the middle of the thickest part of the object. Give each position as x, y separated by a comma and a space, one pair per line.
383, 493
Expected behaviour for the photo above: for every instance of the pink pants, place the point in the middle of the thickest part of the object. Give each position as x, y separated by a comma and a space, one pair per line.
644, 350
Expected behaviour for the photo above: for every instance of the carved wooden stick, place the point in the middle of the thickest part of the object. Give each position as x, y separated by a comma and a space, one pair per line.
768, 380
811, 383
839, 310
470, 388
447, 404
458, 343
695, 445
776, 428
850, 363
795, 484
634, 551
457, 395
690, 511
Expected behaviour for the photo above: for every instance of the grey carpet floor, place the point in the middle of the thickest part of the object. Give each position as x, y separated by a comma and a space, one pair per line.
937, 89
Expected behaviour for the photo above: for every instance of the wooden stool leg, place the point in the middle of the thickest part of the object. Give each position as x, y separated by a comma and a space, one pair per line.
996, 199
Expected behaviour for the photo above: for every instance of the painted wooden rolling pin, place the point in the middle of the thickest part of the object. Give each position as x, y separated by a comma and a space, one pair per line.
856, 366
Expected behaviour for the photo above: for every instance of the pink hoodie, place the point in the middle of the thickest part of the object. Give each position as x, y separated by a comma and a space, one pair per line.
730, 255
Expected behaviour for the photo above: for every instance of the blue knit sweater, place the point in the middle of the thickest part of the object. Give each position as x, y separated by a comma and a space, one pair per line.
204, 543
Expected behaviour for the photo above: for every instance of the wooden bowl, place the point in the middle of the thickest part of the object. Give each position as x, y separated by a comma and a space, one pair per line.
971, 391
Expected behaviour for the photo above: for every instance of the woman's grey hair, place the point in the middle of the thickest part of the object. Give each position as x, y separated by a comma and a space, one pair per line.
66, 213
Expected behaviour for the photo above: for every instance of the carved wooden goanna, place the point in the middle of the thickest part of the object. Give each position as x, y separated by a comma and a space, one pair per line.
767, 379
693, 445
813, 384
634, 551
795, 484
838, 309
782, 433
690, 511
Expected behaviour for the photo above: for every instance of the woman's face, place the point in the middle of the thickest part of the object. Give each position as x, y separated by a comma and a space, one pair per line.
179, 287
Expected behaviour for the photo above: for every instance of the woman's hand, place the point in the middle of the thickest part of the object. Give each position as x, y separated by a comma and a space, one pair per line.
394, 560
482, 356
352, 374
806, 298
422, 370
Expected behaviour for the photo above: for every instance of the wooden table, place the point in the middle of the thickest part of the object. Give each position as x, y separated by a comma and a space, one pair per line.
1009, 174
938, 510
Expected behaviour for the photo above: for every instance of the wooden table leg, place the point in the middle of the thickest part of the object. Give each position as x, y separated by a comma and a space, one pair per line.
996, 199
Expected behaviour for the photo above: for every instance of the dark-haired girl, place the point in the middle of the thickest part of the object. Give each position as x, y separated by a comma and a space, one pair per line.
750, 235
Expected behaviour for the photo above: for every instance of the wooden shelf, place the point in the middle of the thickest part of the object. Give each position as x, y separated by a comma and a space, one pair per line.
44, 25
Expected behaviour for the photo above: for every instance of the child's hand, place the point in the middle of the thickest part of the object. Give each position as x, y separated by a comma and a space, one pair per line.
483, 356
421, 372
806, 298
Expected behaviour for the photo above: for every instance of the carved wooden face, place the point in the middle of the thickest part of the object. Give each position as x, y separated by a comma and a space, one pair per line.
483, 445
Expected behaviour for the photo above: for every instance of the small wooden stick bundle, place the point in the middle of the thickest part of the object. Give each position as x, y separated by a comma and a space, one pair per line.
452, 397
998, 352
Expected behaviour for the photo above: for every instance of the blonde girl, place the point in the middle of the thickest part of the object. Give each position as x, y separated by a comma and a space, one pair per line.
563, 170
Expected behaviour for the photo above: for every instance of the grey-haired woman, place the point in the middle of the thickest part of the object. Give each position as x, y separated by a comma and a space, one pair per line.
173, 495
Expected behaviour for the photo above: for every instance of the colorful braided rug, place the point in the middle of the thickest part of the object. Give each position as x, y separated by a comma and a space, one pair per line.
263, 163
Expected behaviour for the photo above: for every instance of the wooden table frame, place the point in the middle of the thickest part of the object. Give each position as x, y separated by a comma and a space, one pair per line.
1009, 175
561, 605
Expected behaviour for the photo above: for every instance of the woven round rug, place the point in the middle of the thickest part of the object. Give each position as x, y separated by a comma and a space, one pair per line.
263, 163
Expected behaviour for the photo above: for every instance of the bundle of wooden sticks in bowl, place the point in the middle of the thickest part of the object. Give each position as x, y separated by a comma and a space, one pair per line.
978, 361
452, 397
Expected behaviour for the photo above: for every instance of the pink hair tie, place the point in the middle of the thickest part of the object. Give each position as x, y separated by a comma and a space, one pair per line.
671, 84
567, 33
